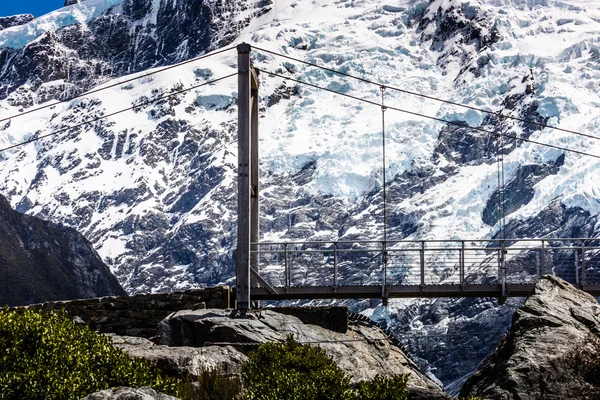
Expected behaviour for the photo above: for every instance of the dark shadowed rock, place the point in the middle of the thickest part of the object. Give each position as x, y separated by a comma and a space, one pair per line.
41, 261
532, 360
125, 393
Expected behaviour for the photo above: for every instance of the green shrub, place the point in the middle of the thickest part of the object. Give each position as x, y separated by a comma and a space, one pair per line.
383, 388
48, 356
292, 371
212, 385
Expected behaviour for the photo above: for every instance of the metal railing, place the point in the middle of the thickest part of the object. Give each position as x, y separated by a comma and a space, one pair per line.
426, 262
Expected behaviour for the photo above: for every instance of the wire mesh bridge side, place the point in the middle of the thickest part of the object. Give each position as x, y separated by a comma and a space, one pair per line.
421, 268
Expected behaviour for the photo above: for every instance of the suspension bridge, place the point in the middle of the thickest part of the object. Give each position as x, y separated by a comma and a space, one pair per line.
387, 268
382, 268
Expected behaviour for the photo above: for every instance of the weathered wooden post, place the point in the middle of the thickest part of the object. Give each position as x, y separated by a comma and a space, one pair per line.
248, 174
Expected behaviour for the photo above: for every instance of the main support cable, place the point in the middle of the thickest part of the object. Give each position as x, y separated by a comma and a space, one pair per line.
91, 121
117, 84
460, 124
483, 110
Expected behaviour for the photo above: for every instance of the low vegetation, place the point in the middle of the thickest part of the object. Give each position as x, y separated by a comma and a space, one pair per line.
293, 371
585, 361
48, 356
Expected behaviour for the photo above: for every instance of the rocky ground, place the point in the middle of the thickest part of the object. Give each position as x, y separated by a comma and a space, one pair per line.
190, 341
535, 360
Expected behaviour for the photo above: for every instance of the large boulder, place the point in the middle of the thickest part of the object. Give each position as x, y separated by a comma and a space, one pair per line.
362, 352
183, 360
126, 393
534, 360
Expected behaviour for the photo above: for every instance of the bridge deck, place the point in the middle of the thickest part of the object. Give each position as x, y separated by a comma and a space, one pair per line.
403, 291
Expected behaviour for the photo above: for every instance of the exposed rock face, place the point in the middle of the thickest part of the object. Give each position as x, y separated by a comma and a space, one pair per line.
362, 352
531, 361
15, 20
125, 393
42, 261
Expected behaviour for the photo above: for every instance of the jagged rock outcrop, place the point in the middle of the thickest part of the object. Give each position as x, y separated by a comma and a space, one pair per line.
533, 360
126, 393
42, 261
362, 352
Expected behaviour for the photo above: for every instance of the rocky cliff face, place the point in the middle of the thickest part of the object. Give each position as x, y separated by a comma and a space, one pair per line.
42, 261
534, 359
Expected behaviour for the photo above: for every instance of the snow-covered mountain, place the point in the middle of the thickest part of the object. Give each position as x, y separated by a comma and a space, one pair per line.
154, 188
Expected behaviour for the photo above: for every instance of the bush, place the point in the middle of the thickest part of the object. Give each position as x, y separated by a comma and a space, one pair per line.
292, 371
585, 361
383, 388
289, 370
212, 385
48, 356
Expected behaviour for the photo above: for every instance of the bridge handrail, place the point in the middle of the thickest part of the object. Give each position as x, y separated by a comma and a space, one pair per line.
482, 254
427, 241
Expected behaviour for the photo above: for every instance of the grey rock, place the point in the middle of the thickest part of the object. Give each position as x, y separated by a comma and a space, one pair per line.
531, 361
183, 360
126, 393
362, 352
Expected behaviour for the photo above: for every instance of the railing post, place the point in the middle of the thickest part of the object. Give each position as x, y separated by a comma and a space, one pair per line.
335, 266
583, 262
461, 267
503, 267
537, 265
575, 257
286, 267
422, 263
543, 257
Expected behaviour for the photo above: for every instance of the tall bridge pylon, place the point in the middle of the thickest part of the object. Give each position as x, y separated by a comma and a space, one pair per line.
248, 173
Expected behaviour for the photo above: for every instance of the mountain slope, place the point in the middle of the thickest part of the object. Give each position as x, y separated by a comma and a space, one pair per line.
41, 261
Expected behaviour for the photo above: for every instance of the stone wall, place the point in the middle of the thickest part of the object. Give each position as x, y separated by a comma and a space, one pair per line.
136, 315
332, 318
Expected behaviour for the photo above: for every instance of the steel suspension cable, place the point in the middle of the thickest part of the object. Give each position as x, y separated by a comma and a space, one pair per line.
483, 110
455, 123
383, 162
117, 84
91, 121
